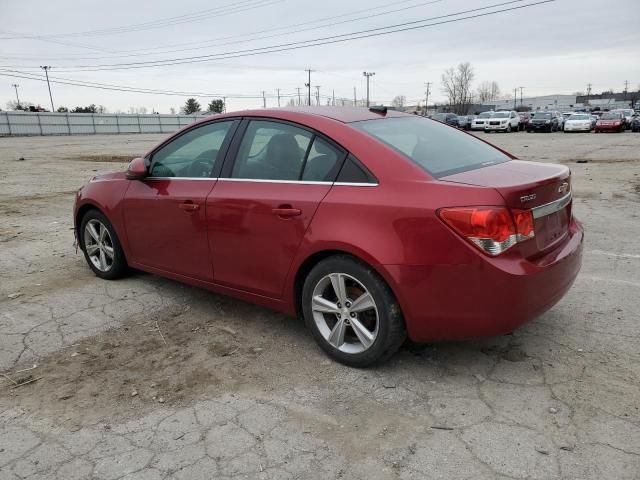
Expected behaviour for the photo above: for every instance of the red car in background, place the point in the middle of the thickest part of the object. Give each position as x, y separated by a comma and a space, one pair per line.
610, 122
373, 225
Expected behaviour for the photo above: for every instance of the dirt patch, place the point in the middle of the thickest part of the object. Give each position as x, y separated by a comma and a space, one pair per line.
102, 158
169, 357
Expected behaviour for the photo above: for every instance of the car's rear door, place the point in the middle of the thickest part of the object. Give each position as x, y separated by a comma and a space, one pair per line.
273, 180
165, 215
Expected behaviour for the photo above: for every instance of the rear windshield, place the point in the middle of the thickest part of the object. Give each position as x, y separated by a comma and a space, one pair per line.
439, 149
577, 116
611, 116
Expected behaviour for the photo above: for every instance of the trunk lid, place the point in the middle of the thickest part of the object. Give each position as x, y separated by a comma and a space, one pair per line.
543, 188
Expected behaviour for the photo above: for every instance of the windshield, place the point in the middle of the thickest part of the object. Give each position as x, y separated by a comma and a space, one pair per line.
579, 117
501, 115
440, 116
485, 115
438, 149
541, 115
610, 116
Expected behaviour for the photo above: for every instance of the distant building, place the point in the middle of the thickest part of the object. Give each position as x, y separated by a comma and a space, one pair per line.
547, 102
610, 100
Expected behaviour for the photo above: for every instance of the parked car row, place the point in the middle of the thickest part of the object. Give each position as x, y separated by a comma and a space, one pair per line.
544, 121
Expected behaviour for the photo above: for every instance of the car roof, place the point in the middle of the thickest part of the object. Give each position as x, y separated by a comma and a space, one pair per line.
341, 114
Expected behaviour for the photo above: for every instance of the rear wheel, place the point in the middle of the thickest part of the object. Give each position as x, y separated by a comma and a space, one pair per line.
101, 246
352, 312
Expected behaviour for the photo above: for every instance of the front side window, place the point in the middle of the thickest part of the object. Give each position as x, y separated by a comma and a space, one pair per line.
192, 154
436, 148
271, 151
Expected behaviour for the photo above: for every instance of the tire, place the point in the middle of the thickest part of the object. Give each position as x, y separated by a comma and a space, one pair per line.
383, 320
508, 128
108, 266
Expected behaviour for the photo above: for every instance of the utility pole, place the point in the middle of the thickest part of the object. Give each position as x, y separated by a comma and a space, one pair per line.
515, 97
521, 89
355, 100
333, 95
278, 90
299, 98
15, 85
588, 91
317, 87
264, 100
46, 69
308, 85
368, 75
426, 98
224, 104
626, 88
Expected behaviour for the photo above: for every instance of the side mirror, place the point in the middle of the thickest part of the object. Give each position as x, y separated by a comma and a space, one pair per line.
137, 169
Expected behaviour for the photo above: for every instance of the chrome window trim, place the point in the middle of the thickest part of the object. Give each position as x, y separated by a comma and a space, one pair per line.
259, 180
264, 180
181, 178
299, 182
551, 207
355, 184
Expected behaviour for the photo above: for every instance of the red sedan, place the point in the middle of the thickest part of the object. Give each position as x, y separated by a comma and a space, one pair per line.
610, 122
372, 225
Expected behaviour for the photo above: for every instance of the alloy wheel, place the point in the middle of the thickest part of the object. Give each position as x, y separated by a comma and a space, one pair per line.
345, 313
98, 245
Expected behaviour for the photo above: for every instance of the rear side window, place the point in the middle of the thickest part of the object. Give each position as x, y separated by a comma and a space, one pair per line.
438, 149
272, 151
322, 161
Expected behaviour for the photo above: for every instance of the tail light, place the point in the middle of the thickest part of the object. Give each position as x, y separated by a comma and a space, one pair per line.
492, 229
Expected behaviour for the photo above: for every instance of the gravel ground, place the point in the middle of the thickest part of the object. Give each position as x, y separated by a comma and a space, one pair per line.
145, 378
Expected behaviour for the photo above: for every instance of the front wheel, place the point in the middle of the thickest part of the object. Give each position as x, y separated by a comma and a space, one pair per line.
509, 128
352, 312
101, 246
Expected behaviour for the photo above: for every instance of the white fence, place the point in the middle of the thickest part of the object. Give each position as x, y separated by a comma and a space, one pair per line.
45, 123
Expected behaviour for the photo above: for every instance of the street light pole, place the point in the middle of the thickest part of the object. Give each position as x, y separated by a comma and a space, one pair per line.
46, 69
426, 99
368, 75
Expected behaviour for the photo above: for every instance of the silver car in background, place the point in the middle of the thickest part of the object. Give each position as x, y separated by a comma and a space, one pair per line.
578, 122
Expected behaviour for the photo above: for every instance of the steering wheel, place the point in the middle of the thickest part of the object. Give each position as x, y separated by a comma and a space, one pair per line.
202, 165
200, 169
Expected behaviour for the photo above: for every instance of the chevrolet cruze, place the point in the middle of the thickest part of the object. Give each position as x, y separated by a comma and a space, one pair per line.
371, 224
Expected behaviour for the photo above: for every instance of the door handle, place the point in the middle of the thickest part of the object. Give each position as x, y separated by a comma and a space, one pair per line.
188, 206
286, 211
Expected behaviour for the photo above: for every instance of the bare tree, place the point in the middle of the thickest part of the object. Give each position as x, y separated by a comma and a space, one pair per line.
488, 91
399, 101
456, 85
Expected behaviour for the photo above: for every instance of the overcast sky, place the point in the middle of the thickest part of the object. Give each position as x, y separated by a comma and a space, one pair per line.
556, 47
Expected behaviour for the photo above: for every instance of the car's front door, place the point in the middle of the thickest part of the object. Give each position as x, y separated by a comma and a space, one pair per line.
263, 203
165, 213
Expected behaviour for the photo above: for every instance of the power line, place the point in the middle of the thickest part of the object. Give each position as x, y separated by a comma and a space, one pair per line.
216, 41
124, 88
373, 32
160, 23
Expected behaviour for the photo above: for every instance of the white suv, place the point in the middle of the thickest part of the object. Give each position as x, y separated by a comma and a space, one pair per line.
503, 121
481, 120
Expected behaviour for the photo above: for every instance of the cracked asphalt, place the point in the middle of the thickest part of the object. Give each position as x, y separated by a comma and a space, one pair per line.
145, 378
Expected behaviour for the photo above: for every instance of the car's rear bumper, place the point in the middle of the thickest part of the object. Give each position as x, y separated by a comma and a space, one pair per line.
491, 296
